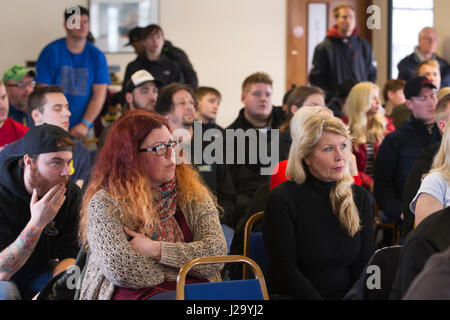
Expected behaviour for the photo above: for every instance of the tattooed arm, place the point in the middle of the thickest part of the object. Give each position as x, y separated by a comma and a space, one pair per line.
42, 212
18, 252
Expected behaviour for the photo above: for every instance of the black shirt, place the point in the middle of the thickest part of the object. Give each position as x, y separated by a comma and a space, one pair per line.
311, 256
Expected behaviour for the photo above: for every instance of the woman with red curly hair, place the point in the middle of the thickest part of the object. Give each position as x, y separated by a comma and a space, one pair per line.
143, 216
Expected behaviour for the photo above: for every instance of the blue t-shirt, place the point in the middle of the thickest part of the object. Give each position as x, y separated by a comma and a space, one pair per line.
76, 73
79, 167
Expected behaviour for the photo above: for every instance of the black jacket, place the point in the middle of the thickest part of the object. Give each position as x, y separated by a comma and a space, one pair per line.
337, 59
59, 239
408, 64
396, 156
412, 185
179, 56
311, 256
247, 177
164, 69
431, 236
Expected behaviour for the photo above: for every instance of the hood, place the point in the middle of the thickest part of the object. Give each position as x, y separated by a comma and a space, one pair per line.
11, 179
334, 33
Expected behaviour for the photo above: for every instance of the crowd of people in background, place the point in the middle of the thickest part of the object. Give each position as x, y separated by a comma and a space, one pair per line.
336, 154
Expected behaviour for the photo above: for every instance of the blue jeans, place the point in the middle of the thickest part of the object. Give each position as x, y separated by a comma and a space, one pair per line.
9, 291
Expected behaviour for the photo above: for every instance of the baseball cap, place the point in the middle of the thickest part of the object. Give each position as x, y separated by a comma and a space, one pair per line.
414, 85
44, 139
17, 72
134, 35
139, 78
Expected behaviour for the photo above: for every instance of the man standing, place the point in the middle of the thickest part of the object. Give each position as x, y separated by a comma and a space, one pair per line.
38, 213
19, 82
425, 50
49, 105
80, 68
401, 148
153, 60
342, 55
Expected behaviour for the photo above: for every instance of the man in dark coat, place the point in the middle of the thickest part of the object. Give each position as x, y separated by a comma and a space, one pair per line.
342, 55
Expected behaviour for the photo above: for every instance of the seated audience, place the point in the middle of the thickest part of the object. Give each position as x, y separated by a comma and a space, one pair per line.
208, 102
401, 149
176, 103
430, 237
141, 91
367, 127
257, 119
428, 69
19, 83
393, 95
49, 105
423, 165
299, 97
144, 217
434, 191
39, 211
10, 130
318, 226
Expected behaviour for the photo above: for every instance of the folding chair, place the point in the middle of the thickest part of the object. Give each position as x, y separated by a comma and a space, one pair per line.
253, 289
385, 261
254, 246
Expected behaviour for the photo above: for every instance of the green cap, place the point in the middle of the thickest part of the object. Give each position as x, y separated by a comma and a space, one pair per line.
16, 73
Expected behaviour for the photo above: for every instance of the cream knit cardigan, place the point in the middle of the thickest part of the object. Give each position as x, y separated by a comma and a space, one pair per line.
113, 263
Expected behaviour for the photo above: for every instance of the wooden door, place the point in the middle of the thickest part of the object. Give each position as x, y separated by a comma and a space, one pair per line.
297, 35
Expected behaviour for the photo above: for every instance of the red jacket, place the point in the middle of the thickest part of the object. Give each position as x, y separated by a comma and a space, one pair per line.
279, 175
361, 154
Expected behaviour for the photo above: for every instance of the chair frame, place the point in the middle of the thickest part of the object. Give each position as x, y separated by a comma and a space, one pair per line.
247, 231
181, 278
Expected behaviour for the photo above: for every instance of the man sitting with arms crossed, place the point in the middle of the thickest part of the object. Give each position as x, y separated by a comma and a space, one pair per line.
38, 213
49, 105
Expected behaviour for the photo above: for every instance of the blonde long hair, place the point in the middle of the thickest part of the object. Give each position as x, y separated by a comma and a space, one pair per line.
305, 138
359, 101
441, 161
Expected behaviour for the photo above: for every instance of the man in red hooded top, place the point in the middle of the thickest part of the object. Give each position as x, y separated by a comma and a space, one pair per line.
342, 55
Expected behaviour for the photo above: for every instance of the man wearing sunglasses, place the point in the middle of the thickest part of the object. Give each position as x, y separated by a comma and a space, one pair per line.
19, 83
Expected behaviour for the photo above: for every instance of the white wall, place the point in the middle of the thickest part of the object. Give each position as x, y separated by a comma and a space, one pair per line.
226, 40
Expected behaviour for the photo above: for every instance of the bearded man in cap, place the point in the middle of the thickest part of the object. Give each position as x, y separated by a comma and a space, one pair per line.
401, 148
38, 213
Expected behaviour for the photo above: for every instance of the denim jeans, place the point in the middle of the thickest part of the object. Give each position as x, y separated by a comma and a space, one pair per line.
9, 291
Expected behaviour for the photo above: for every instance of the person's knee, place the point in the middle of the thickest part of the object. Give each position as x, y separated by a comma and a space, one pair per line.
9, 291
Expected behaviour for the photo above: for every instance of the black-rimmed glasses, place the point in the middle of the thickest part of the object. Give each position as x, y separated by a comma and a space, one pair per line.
161, 149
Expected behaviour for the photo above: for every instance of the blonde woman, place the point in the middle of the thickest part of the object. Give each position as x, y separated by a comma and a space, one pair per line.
143, 217
367, 126
434, 191
318, 225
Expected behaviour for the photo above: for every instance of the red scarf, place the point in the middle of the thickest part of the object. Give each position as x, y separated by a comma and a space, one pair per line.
168, 228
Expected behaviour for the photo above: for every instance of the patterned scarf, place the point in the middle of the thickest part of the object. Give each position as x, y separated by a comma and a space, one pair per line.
168, 228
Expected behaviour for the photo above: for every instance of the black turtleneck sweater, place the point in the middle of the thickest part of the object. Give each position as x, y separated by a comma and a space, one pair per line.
311, 256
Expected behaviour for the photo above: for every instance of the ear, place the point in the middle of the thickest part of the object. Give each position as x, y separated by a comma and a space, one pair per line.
409, 104
294, 109
307, 161
441, 125
243, 97
390, 94
36, 116
129, 99
28, 161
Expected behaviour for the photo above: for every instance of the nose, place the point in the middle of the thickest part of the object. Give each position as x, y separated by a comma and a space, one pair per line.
66, 170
